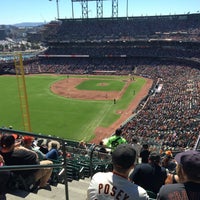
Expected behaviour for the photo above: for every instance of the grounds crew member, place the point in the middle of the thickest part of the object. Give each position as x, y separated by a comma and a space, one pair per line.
115, 140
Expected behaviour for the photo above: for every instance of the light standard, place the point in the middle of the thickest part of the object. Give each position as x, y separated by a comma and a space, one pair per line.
57, 9
127, 8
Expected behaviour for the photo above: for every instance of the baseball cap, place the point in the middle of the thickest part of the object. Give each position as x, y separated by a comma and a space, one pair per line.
7, 140
190, 162
28, 138
124, 156
15, 135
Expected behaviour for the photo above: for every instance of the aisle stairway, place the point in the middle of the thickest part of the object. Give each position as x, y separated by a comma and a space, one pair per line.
77, 191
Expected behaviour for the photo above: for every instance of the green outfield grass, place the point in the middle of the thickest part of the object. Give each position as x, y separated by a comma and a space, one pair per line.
67, 118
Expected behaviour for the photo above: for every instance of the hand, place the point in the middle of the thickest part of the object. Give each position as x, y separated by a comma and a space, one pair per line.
1, 160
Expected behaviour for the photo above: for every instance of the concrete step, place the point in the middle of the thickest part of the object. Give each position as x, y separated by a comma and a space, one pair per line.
77, 191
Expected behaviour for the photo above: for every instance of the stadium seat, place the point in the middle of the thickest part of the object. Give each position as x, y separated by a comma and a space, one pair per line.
151, 194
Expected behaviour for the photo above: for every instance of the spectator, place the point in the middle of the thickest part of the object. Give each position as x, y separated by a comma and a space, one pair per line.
23, 156
53, 150
115, 185
188, 170
151, 176
137, 147
101, 147
28, 143
4, 178
82, 145
102, 150
144, 153
115, 140
168, 162
43, 144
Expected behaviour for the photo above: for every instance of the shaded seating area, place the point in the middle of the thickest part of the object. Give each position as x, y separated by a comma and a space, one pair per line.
83, 163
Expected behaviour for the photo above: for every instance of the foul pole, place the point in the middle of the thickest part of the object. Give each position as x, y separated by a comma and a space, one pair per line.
19, 69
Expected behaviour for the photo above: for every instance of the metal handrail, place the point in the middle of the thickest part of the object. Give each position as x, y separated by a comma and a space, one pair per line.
197, 144
28, 167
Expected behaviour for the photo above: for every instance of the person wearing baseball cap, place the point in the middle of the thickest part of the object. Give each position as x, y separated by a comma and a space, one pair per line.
188, 170
115, 184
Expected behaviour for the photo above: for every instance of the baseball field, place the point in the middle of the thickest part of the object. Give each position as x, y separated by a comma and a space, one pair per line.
70, 107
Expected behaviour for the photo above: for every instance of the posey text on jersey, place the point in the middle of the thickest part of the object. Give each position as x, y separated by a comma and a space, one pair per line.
108, 189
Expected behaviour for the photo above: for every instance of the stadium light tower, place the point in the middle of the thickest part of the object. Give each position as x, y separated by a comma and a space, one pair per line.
127, 8
99, 7
57, 4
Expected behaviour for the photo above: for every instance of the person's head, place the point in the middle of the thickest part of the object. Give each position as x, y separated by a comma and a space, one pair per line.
7, 142
53, 145
188, 168
154, 158
28, 140
101, 143
168, 154
82, 142
118, 132
134, 140
123, 158
167, 158
145, 146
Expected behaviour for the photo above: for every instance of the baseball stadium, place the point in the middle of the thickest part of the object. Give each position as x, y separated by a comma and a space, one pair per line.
96, 75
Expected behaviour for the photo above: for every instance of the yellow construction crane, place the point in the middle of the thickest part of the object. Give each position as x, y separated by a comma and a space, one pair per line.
19, 69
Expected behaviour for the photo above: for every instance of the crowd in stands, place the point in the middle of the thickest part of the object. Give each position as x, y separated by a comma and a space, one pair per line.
129, 48
79, 66
126, 29
171, 116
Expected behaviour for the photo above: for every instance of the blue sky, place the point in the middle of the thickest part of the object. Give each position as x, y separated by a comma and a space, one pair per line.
17, 11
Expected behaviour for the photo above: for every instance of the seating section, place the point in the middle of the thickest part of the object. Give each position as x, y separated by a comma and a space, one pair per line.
79, 165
